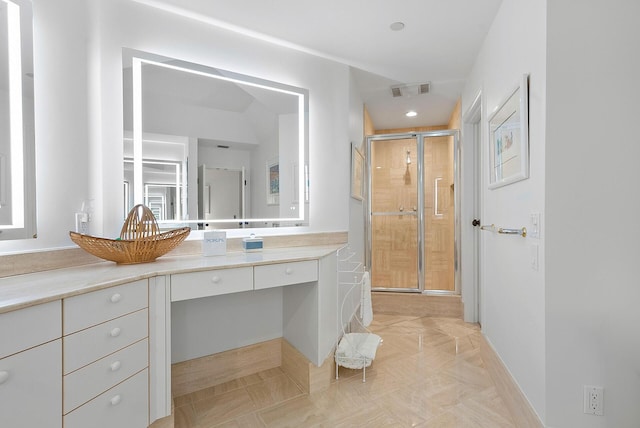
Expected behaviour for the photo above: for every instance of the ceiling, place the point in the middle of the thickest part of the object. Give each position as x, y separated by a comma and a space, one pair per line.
438, 44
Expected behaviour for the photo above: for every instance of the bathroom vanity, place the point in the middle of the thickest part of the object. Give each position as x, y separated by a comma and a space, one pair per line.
95, 341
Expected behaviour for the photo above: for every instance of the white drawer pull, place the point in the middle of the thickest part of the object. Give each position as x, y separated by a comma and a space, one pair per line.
3, 377
215, 279
116, 298
115, 332
115, 366
115, 400
288, 271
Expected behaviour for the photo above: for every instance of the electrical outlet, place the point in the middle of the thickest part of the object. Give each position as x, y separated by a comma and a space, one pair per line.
594, 400
535, 260
82, 223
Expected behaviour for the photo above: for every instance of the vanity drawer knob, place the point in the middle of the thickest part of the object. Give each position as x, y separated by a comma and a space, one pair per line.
288, 271
115, 400
115, 332
116, 298
115, 365
215, 279
4, 375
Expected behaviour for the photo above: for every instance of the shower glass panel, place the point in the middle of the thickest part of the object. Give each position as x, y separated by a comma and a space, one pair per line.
394, 214
439, 239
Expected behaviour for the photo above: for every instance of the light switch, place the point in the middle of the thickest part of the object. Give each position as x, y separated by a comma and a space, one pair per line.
534, 228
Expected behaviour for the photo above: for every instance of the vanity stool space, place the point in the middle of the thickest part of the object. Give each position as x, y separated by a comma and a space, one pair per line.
90, 346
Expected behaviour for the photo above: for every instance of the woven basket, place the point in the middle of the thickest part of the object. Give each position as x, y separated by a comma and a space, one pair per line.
140, 239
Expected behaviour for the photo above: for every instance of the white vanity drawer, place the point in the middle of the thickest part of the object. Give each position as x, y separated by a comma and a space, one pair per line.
25, 328
124, 405
193, 285
89, 345
92, 380
96, 307
280, 274
30, 387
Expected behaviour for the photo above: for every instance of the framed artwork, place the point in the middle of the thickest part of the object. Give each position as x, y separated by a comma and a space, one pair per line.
273, 182
357, 173
509, 138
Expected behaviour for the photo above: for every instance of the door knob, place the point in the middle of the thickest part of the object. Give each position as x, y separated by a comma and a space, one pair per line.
475, 222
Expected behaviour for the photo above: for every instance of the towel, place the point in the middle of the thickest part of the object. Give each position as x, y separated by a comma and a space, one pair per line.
366, 309
358, 345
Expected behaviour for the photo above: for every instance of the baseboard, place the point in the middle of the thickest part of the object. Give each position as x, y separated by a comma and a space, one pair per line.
307, 375
418, 305
18, 264
275, 241
211, 370
39, 261
523, 414
166, 422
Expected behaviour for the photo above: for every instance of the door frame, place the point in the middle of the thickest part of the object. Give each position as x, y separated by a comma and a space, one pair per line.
472, 197
420, 137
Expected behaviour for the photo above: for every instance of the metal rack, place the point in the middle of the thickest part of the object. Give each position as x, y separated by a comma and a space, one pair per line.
355, 350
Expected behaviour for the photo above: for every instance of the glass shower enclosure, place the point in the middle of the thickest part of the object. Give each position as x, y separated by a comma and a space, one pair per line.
412, 221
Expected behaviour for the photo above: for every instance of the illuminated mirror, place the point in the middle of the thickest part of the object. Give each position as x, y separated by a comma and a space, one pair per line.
17, 151
211, 148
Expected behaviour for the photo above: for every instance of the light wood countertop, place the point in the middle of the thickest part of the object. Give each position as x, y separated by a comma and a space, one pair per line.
20, 291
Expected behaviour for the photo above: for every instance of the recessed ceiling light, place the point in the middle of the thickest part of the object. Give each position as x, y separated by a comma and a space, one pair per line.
397, 26
411, 113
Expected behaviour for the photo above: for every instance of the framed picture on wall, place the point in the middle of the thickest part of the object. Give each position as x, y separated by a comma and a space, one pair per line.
357, 173
273, 182
509, 138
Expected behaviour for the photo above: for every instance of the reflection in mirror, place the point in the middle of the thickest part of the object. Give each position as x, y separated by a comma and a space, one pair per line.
17, 151
212, 148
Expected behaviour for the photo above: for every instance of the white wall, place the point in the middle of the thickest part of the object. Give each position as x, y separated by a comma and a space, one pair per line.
79, 112
512, 304
592, 202
357, 208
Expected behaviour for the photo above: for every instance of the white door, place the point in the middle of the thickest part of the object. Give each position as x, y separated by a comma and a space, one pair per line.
220, 193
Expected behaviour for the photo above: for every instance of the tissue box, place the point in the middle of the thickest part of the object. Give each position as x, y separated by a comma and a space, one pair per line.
214, 243
252, 244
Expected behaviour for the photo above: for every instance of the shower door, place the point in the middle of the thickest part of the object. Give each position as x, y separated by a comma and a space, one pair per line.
411, 227
394, 213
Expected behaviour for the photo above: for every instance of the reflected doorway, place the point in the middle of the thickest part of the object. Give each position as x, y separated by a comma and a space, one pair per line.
221, 193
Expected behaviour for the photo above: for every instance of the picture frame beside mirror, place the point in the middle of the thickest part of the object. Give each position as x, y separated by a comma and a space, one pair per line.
357, 173
200, 138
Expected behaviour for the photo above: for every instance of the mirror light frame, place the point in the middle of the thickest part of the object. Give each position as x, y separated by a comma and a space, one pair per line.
22, 154
138, 58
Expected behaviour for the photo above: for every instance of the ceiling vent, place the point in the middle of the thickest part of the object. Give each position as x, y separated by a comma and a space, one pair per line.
410, 89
